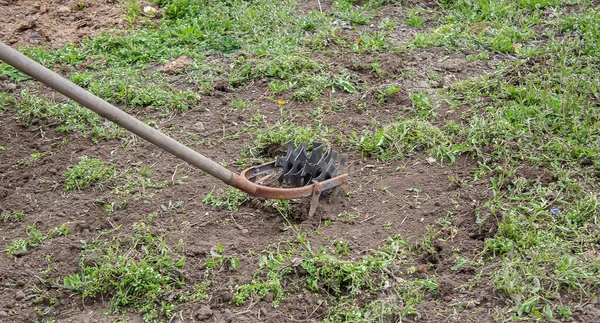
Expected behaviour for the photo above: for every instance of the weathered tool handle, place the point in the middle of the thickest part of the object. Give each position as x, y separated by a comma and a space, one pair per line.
110, 112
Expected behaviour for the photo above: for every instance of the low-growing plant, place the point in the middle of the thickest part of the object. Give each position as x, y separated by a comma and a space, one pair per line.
384, 94
231, 199
134, 272
279, 134
405, 137
218, 259
88, 172
14, 217
35, 237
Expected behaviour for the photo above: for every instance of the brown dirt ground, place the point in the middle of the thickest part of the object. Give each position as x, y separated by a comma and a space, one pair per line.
31, 189
33, 23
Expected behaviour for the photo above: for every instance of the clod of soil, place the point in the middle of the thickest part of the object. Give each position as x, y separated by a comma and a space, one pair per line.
177, 66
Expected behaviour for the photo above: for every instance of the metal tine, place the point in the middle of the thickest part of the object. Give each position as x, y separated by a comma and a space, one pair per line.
295, 178
335, 169
300, 168
331, 155
316, 145
308, 171
285, 162
299, 153
295, 170
303, 156
326, 171
322, 159
282, 160
315, 155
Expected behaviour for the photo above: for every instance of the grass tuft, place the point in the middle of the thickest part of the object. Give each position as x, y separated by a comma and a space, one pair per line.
88, 172
137, 272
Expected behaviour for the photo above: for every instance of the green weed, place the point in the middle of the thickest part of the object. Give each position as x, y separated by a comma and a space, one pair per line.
88, 172
387, 92
136, 272
242, 104
405, 137
413, 18
72, 117
282, 132
218, 259
13, 217
327, 272
132, 10
231, 199
35, 238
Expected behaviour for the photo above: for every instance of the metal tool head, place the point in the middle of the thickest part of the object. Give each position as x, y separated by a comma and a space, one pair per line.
299, 168
300, 173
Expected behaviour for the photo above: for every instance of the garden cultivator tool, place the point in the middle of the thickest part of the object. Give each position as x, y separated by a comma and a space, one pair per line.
300, 168
308, 174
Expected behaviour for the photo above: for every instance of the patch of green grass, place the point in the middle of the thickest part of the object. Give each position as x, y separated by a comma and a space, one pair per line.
349, 12
330, 273
284, 207
521, 118
406, 137
190, 28
401, 302
128, 87
88, 172
503, 26
135, 272
132, 10
135, 182
199, 292
241, 104
540, 262
12, 217
413, 18
478, 57
35, 238
422, 105
231, 199
347, 217
279, 134
5, 101
71, 116
378, 41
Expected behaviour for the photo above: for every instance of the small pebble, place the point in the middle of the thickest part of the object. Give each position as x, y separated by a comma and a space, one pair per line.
431, 160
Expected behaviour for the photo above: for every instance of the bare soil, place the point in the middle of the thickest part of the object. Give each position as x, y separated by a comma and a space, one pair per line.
34, 23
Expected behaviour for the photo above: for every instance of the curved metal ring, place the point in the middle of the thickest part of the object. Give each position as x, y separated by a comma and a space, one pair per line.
244, 182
